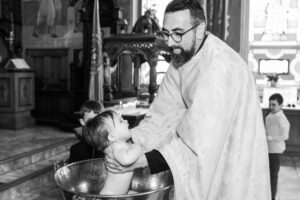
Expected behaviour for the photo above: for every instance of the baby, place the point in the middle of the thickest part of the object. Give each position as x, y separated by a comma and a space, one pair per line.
109, 128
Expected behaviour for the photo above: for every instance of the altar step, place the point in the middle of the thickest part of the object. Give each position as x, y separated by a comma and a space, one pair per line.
21, 160
45, 192
31, 173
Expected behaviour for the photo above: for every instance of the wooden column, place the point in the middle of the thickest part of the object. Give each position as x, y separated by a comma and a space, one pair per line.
152, 83
107, 78
108, 18
136, 78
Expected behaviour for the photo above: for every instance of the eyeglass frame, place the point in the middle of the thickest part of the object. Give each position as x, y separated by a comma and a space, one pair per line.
180, 34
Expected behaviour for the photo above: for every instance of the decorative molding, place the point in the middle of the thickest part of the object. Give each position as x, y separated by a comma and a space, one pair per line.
280, 53
269, 54
295, 63
143, 45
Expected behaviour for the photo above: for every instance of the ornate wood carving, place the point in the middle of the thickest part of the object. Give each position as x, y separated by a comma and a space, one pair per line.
143, 47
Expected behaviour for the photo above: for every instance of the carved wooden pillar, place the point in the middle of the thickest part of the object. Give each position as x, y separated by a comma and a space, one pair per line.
86, 18
144, 47
152, 82
137, 64
108, 18
107, 78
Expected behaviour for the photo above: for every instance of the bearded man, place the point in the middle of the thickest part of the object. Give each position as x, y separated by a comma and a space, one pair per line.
205, 123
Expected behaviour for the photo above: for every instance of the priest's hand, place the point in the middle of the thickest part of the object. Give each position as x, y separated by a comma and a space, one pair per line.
115, 167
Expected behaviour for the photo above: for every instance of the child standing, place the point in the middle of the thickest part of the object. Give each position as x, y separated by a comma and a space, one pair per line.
109, 129
277, 128
82, 150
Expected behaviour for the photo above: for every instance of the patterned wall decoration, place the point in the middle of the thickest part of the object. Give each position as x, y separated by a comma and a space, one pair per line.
274, 33
255, 55
295, 67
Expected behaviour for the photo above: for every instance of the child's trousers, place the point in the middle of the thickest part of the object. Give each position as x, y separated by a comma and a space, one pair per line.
274, 161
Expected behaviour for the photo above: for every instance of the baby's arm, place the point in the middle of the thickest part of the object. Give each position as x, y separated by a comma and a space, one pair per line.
126, 155
116, 184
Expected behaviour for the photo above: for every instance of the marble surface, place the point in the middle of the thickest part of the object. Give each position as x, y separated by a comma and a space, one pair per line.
16, 174
29, 150
25, 140
45, 190
289, 177
44, 193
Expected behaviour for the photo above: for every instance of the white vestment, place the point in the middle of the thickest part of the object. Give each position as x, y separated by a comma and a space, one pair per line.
207, 123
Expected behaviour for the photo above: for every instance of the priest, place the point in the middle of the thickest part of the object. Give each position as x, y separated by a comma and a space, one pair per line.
205, 123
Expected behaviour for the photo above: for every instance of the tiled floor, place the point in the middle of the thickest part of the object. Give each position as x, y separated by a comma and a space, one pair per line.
289, 177
21, 141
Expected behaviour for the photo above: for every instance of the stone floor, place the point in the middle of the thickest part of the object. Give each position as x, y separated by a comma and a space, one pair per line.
17, 142
289, 177
41, 145
13, 142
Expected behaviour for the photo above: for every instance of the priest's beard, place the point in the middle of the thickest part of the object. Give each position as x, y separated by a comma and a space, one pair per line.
183, 56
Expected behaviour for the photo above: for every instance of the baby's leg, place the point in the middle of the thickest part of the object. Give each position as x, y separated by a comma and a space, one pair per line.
117, 183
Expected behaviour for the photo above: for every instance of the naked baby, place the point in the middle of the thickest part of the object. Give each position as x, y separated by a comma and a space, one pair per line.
109, 129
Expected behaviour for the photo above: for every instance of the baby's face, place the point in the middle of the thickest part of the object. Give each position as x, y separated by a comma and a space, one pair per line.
120, 130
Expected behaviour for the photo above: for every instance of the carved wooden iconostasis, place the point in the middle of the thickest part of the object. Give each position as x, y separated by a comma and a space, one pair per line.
132, 51
51, 31
56, 44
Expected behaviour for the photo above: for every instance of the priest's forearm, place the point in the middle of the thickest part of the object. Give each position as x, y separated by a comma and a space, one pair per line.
156, 162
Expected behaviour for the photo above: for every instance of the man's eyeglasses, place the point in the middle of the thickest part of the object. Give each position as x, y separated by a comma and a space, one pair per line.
177, 37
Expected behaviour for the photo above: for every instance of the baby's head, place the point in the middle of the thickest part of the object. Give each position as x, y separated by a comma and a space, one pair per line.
89, 110
106, 128
275, 102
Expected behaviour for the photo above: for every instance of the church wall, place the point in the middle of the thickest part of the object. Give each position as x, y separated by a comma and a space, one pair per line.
62, 29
